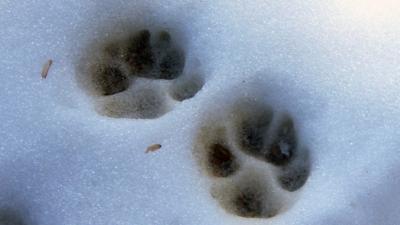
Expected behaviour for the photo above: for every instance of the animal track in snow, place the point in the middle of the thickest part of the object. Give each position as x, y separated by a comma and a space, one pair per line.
138, 75
253, 158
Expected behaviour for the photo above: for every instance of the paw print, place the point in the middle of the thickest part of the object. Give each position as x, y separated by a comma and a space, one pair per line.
254, 160
138, 76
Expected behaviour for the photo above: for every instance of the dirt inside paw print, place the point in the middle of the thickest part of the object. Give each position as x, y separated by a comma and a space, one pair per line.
252, 130
110, 80
248, 203
222, 161
139, 54
284, 145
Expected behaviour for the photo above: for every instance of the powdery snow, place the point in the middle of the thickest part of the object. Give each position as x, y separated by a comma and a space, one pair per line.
332, 65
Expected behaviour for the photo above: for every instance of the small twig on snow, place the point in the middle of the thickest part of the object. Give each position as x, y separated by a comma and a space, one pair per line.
46, 68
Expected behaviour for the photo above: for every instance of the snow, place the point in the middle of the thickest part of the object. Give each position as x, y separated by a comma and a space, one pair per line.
333, 65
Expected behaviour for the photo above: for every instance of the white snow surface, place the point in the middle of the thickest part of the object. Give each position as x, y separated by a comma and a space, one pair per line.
333, 65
